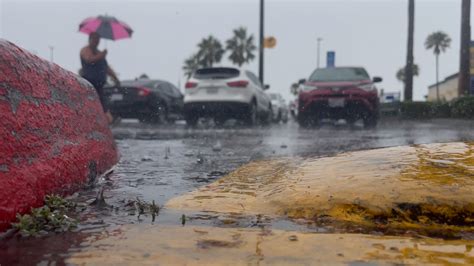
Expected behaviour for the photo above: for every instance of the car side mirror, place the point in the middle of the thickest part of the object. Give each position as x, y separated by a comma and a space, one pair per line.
377, 79
266, 87
302, 81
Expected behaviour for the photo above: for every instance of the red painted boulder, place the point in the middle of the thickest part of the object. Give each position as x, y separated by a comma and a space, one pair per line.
54, 134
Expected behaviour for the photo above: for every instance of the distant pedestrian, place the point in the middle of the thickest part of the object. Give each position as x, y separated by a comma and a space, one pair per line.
95, 69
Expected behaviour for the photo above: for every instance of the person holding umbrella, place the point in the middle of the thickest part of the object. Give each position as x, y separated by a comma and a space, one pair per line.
94, 64
95, 69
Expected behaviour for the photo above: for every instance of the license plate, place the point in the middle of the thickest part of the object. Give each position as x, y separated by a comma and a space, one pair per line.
336, 102
116, 97
212, 90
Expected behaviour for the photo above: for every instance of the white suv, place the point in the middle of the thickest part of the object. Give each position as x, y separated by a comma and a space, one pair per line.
222, 93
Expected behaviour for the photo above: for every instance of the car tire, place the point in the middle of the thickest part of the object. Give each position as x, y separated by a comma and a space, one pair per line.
308, 122
191, 120
267, 118
251, 115
158, 116
370, 122
279, 118
220, 120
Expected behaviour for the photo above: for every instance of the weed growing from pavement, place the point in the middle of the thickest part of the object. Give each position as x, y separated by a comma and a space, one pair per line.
142, 208
52, 217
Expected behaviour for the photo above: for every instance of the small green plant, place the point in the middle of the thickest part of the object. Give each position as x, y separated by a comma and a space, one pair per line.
52, 217
143, 207
56, 202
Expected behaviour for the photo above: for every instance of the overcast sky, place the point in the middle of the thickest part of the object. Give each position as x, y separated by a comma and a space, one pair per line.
370, 33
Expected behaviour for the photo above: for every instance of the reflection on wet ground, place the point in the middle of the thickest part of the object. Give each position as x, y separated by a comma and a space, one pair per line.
164, 162
192, 245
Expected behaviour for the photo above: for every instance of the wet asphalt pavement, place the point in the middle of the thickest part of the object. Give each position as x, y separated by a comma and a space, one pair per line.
159, 162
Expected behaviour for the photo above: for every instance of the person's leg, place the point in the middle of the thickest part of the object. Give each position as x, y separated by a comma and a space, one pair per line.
103, 102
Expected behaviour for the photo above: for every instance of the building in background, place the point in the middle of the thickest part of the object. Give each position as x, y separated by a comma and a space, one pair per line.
448, 89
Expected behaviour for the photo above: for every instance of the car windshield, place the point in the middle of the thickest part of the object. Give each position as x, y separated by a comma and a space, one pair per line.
216, 73
339, 74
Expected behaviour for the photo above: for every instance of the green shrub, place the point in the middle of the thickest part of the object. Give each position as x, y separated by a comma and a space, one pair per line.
390, 109
463, 107
416, 110
441, 110
459, 108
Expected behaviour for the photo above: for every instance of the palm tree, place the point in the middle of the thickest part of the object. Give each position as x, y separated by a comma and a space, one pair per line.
210, 51
401, 73
408, 80
191, 64
439, 42
144, 76
241, 47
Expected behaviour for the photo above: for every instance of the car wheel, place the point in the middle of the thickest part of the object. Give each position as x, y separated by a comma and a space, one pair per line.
351, 122
268, 117
370, 122
158, 116
220, 121
251, 115
191, 120
279, 118
308, 122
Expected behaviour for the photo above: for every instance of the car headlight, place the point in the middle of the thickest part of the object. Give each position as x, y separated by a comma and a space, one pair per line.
367, 87
309, 88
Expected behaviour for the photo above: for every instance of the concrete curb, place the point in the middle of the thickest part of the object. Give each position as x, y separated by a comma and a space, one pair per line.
54, 134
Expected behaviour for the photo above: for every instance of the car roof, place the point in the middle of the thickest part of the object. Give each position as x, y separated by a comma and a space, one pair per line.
214, 67
339, 67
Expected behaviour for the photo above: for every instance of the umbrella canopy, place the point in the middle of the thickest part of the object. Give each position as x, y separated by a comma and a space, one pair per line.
107, 27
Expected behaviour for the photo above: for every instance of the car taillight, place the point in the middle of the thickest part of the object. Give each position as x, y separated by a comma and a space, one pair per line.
142, 91
190, 85
238, 84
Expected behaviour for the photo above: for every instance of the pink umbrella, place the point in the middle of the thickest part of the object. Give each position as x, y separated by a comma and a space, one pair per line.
107, 27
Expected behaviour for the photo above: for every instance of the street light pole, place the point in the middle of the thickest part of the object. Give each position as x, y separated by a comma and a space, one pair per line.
51, 53
464, 67
261, 61
319, 49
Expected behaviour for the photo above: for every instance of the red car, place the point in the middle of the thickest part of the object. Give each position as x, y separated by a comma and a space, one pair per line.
338, 93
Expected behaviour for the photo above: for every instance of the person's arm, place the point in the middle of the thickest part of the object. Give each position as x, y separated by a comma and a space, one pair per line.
88, 56
112, 74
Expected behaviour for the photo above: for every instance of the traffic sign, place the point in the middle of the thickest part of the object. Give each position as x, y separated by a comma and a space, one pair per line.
331, 59
269, 42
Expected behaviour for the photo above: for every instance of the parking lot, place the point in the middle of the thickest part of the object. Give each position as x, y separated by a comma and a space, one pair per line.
161, 162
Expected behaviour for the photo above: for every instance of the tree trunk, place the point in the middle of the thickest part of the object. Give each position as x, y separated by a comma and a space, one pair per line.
409, 64
437, 77
464, 67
